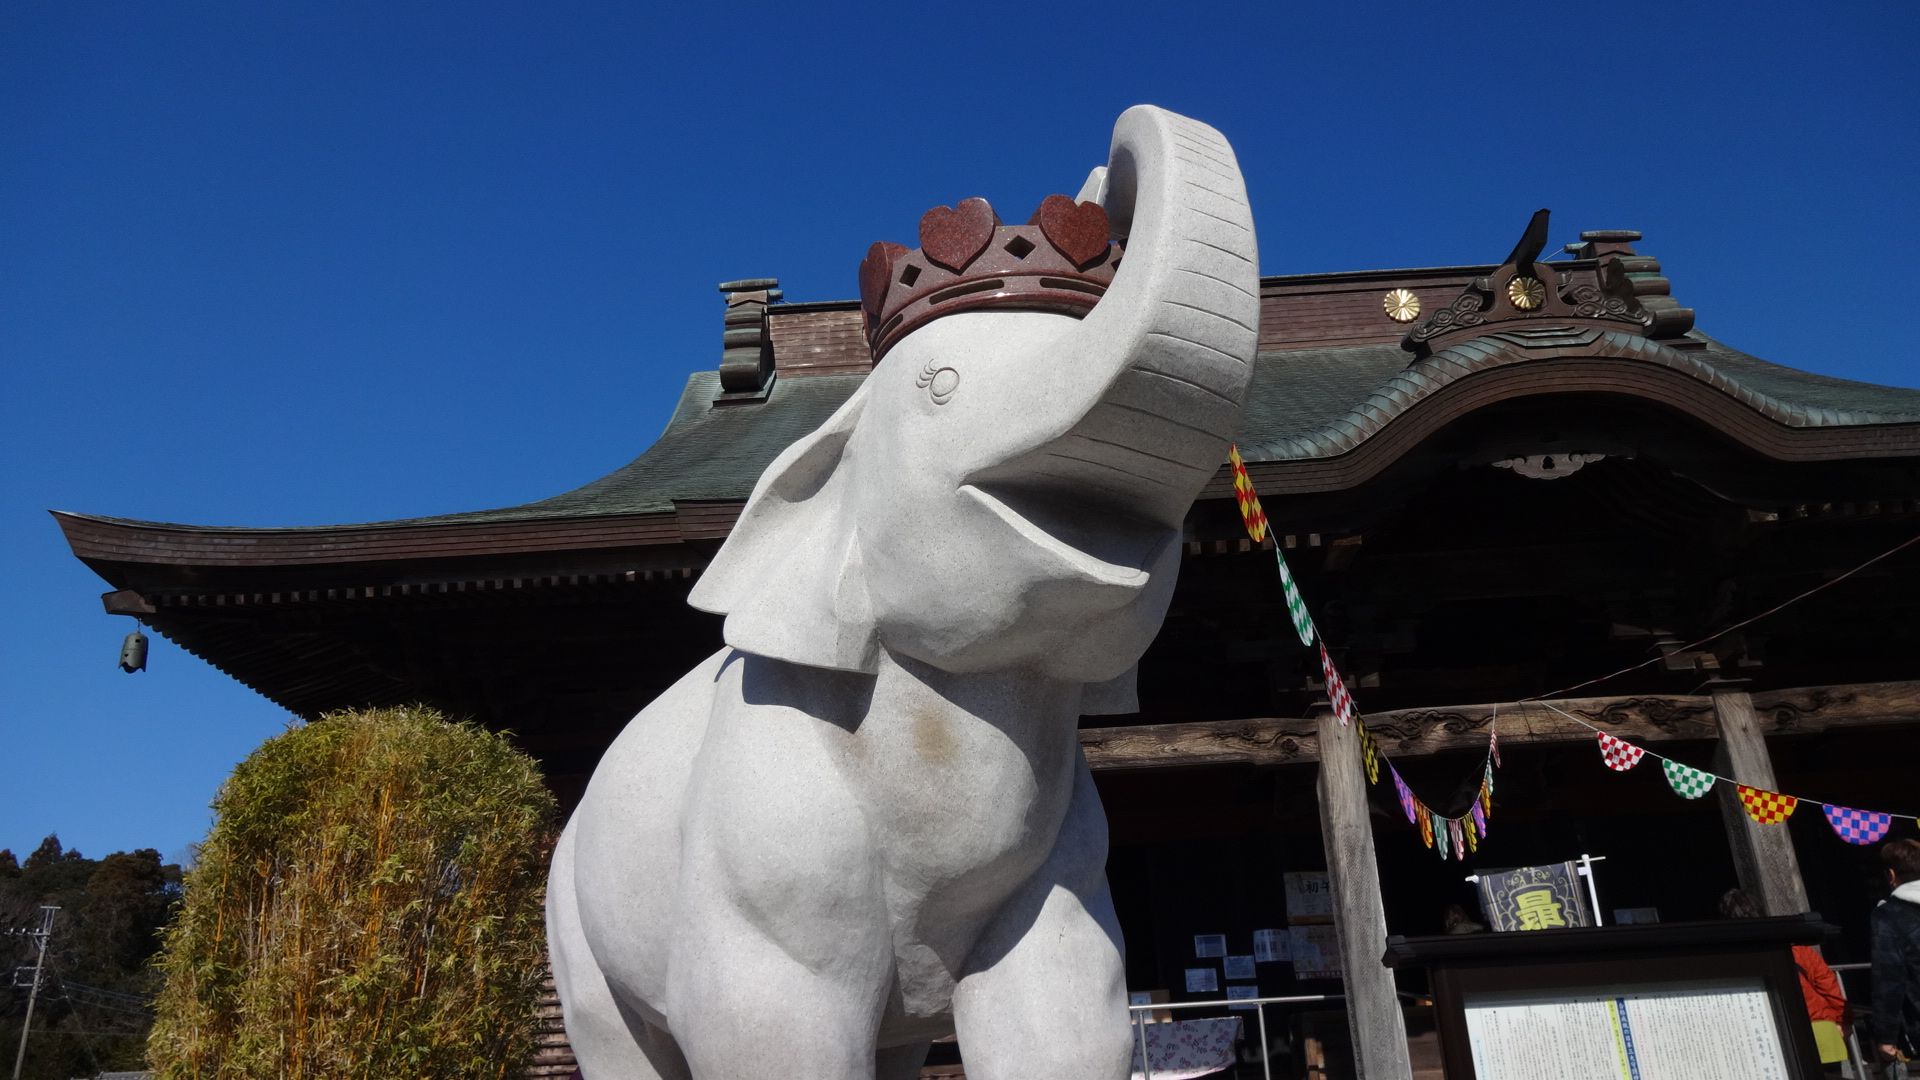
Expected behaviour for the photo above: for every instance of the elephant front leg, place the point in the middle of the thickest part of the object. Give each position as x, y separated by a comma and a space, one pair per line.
1046, 994
781, 958
747, 1006
1045, 989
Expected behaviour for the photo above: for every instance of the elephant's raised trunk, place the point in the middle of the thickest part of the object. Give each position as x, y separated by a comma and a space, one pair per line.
1007, 488
1177, 330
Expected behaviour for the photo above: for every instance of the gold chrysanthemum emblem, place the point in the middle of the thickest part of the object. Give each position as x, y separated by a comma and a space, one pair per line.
1526, 292
1401, 305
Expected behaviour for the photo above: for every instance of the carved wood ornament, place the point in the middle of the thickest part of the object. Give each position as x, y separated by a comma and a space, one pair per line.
1537, 294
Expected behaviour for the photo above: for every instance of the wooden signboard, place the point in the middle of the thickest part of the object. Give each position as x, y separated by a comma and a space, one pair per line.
1686, 1001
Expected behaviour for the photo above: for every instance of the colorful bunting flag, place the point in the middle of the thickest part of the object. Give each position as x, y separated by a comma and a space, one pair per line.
1619, 754
1405, 793
1766, 807
1857, 826
1296, 606
1687, 781
1462, 834
1250, 511
1336, 690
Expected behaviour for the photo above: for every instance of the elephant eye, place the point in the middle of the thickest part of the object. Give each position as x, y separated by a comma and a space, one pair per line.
939, 382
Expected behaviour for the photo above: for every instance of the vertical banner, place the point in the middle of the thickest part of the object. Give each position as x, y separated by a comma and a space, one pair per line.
1534, 898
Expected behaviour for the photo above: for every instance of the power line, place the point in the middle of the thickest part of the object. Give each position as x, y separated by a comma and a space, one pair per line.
1724, 631
86, 1041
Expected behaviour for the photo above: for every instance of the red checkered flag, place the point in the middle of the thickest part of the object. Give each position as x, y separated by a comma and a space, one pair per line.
1619, 754
1250, 511
1336, 690
1766, 807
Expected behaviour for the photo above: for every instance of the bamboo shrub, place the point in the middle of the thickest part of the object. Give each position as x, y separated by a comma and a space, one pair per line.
368, 904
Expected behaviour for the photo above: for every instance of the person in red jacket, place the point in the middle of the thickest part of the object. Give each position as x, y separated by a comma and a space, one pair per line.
1826, 1002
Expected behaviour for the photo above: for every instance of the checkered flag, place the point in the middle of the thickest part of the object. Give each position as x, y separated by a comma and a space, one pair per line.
1369, 754
1480, 813
1766, 807
1336, 690
1243, 493
1619, 754
1426, 823
1857, 826
1400, 788
1296, 607
1687, 781
1459, 842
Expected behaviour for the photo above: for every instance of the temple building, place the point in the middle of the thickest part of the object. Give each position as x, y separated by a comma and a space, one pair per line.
1492, 484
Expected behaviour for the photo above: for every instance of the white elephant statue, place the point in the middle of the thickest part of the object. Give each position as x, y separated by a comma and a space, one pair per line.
866, 823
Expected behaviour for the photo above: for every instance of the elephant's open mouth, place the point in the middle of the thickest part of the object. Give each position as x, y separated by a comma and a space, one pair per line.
1103, 544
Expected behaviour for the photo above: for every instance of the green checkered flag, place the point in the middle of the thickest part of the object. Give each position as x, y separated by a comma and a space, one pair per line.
1296, 607
1688, 782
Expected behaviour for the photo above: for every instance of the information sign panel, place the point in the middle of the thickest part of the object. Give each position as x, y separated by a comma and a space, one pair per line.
1720, 1030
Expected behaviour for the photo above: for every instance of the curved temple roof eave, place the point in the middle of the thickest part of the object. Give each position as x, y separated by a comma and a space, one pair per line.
1331, 419
1418, 393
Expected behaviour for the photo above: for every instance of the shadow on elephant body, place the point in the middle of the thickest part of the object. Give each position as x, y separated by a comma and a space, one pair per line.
840, 699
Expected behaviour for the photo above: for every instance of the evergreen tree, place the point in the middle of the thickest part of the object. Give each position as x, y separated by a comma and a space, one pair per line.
48, 853
93, 1012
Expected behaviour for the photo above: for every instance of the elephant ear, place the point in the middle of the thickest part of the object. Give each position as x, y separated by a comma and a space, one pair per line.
788, 578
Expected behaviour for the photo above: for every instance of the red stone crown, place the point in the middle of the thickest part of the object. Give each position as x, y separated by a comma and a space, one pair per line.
1060, 260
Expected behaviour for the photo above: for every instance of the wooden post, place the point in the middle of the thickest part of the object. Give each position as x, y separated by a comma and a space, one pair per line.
1763, 856
1359, 918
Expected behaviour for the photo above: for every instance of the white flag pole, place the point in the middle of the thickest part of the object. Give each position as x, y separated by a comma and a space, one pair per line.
1586, 871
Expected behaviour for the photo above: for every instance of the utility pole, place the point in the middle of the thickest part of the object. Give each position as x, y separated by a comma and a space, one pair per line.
47, 912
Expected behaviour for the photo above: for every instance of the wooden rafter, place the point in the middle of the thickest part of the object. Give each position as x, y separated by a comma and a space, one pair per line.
1418, 732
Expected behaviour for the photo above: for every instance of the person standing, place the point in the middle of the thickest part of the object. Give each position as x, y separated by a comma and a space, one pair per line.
1895, 1026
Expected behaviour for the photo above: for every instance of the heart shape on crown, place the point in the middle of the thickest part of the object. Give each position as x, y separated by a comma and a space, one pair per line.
876, 276
1077, 230
952, 237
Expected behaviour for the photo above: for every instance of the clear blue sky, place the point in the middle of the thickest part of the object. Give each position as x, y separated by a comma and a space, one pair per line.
304, 263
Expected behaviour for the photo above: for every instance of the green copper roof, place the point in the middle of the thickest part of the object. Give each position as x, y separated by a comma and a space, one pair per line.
707, 451
1304, 403
1316, 404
